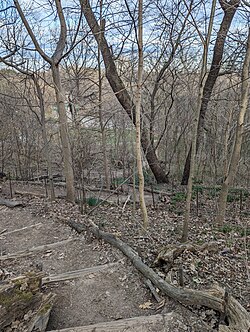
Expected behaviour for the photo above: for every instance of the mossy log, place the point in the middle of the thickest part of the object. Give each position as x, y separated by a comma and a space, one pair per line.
235, 314
22, 304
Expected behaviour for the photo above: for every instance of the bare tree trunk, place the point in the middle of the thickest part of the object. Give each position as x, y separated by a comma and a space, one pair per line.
226, 140
229, 8
102, 126
121, 92
63, 127
232, 169
45, 139
138, 116
54, 61
196, 126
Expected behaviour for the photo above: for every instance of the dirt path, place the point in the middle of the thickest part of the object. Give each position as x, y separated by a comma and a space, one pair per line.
113, 298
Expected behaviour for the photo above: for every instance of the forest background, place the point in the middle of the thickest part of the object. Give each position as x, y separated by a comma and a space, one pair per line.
69, 93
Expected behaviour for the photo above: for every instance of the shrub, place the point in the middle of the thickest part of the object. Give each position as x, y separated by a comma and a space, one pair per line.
93, 201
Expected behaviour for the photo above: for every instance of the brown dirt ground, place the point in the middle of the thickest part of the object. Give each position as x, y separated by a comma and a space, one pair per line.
119, 292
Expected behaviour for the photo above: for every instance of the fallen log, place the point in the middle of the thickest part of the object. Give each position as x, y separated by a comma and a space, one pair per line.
10, 204
159, 322
23, 306
214, 298
29, 193
154, 191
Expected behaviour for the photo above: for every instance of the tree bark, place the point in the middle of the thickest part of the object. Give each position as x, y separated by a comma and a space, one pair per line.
229, 9
63, 127
121, 92
196, 125
45, 138
54, 61
232, 169
100, 111
138, 116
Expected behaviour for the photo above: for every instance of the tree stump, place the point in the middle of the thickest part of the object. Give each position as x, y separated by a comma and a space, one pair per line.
23, 307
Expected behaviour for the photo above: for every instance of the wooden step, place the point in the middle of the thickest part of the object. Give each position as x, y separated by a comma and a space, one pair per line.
77, 273
153, 323
34, 250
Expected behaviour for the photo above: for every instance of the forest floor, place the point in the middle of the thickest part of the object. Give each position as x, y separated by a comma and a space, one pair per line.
118, 292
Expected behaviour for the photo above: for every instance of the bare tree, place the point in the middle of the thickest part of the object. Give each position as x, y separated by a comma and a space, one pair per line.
121, 92
138, 114
196, 125
54, 62
100, 109
34, 76
232, 167
229, 9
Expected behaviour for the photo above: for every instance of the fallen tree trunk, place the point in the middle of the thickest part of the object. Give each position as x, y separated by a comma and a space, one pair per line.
214, 298
159, 322
23, 306
10, 204
154, 191
29, 193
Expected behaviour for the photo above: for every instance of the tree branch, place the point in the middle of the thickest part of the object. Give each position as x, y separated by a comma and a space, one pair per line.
30, 32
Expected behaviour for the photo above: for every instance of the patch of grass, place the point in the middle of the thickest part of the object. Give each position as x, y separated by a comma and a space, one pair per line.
238, 191
93, 201
238, 229
198, 188
213, 192
178, 197
226, 228
197, 181
233, 193
232, 198
244, 231
245, 213
16, 295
